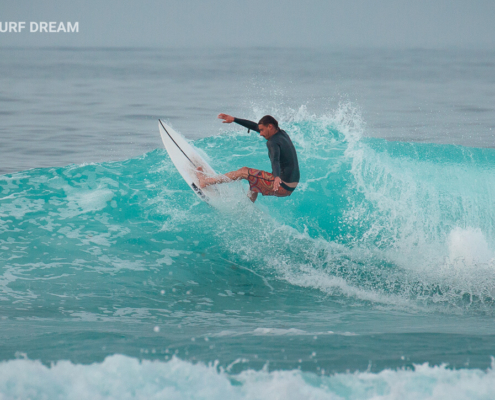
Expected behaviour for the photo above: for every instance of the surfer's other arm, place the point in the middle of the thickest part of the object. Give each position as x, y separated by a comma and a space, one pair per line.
228, 119
274, 154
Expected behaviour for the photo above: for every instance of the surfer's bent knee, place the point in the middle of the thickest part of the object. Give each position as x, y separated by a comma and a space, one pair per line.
243, 172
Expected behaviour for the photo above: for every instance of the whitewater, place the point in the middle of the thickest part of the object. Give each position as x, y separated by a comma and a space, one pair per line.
374, 280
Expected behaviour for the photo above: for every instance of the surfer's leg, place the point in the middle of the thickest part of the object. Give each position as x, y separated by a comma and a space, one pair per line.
253, 196
204, 181
241, 173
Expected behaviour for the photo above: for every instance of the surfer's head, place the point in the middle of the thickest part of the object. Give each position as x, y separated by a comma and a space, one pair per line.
268, 126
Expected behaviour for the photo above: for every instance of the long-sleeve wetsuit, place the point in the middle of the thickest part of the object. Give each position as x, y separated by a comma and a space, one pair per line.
281, 152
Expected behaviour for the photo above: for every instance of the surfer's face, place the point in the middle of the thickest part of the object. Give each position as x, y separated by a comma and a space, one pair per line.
267, 131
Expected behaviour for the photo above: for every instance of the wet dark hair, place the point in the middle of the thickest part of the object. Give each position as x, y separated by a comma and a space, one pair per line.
267, 120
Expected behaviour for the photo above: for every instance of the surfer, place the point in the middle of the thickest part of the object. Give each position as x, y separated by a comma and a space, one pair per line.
284, 177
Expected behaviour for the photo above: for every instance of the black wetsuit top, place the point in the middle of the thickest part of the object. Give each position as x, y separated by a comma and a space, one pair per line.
281, 152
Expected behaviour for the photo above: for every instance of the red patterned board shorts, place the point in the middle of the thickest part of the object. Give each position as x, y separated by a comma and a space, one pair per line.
262, 182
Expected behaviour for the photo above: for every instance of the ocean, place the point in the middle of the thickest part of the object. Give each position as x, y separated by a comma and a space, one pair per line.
374, 280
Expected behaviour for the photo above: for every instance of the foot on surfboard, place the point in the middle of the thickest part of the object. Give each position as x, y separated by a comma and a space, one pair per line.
201, 177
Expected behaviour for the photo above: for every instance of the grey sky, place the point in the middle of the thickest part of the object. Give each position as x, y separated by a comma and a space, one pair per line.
236, 23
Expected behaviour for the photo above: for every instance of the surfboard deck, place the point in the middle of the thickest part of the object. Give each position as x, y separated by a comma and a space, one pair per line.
186, 159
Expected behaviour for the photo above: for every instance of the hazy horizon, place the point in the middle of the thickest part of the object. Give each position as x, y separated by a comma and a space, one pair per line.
273, 24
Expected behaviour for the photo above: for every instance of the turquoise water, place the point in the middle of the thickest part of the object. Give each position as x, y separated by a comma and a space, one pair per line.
375, 278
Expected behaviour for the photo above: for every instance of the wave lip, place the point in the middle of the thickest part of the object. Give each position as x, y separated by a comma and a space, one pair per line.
122, 377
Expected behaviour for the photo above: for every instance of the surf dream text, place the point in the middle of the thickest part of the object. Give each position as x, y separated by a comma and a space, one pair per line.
39, 27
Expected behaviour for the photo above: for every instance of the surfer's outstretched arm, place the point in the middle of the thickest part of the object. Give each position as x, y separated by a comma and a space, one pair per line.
253, 126
228, 119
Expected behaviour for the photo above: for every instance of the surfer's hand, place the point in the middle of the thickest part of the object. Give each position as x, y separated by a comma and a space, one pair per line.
276, 183
227, 119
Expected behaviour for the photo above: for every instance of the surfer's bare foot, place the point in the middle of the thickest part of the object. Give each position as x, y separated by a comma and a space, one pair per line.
201, 177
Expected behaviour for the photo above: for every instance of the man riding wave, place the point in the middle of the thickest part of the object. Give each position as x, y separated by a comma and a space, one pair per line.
284, 177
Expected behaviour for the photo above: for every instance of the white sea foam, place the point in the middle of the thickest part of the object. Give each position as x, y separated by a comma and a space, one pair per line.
432, 218
278, 332
81, 202
167, 255
406, 207
122, 377
469, 246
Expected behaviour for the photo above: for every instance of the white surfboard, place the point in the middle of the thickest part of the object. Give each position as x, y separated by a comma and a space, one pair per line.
186, 159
